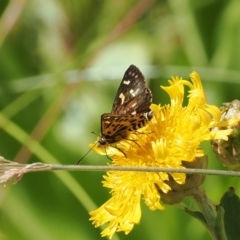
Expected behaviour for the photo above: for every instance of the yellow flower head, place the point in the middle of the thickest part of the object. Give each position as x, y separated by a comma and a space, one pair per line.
171, 137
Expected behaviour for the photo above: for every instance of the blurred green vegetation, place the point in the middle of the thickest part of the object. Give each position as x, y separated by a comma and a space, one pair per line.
57, 62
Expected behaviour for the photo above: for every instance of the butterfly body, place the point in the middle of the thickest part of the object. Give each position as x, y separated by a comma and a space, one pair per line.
130, 111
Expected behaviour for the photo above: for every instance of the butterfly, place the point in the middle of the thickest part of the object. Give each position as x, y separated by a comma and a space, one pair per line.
130, 111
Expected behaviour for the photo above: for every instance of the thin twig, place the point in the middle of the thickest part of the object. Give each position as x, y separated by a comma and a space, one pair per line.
12, 171
145, 169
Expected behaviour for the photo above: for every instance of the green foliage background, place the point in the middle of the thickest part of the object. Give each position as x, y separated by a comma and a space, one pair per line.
57, 62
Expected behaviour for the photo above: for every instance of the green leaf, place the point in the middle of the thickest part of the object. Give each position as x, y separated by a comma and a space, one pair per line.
230, 202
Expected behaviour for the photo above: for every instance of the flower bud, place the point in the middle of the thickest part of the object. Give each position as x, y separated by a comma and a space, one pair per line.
228, 152
193, 181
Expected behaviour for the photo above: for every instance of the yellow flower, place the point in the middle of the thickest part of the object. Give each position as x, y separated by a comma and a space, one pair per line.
172, 136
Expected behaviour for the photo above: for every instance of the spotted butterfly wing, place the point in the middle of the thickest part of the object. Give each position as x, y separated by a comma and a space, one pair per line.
133, 96
130, 110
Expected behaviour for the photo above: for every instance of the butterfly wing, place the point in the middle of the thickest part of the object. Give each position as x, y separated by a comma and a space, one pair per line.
130, 110
117, 127
133, 96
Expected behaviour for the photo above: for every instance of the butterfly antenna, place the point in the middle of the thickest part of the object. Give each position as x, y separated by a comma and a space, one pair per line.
86, 153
